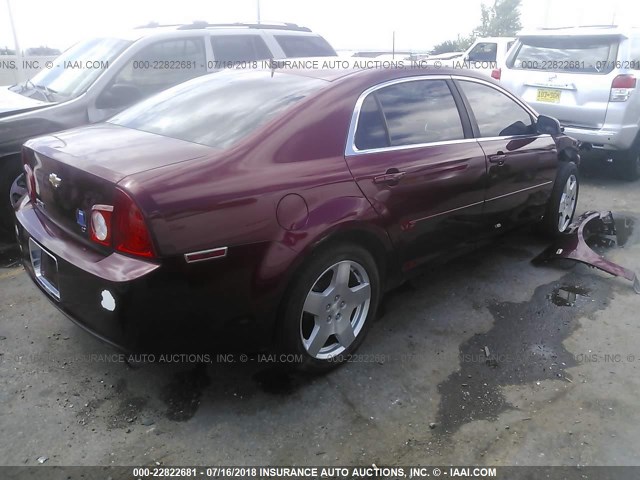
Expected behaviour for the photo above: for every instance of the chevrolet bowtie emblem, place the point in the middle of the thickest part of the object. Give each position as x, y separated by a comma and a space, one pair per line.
54, 180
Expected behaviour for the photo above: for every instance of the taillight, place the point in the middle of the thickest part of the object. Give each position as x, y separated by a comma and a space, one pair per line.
121, 227
101, 225
622, 87
496, 73
130, 233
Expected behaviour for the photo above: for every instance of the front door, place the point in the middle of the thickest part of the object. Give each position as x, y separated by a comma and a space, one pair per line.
521, 163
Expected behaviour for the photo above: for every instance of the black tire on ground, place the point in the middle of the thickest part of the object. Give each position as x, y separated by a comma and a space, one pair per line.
551, 221
294, 324
627, 164
10, 169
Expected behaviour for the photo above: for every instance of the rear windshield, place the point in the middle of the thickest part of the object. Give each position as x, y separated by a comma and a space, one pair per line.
562, 54
218, 109
297, 46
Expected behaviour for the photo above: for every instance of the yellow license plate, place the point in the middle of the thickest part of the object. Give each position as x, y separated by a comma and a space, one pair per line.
549, 96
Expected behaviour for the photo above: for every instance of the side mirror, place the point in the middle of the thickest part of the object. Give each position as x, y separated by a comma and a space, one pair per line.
118, 96
548, 125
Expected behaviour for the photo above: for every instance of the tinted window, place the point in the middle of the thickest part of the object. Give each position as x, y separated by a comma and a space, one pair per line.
497, 115
220, 109
371, 132
239, 48
575, 55
163, 65
634, 60
304, 46
420, 112
483, 52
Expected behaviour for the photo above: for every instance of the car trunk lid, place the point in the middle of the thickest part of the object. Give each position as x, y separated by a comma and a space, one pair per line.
77, 169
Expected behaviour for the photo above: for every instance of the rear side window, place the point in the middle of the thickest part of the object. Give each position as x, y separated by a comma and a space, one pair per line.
296, 46
496, 114
218, 110
421, 111
239, 48
372, 131
561, 54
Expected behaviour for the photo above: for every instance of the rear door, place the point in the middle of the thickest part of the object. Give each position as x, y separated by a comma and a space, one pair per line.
566, 77
412, 155
521, 163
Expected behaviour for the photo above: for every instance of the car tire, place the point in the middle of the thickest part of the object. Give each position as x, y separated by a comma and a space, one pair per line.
10, 169
564, 199
329, 308
627, 164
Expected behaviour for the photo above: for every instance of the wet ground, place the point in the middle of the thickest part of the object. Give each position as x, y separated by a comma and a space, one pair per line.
488, 360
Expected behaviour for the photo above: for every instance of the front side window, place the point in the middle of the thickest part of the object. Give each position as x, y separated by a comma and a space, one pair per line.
416, 112
218, 110
239, 48
164, 64
497, 115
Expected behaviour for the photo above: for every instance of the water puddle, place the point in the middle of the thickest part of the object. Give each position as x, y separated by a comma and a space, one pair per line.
525, 345
569, 296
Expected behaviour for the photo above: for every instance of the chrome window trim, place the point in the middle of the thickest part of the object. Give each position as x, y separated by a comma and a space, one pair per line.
351, 149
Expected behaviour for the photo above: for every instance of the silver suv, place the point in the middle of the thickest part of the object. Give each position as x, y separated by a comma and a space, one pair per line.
97, 78
586, 77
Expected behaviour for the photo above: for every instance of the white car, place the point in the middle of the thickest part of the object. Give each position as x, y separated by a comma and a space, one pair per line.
485, 55
586, 77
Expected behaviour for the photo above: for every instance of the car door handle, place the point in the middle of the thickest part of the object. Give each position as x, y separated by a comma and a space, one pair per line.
498, 158
391, 177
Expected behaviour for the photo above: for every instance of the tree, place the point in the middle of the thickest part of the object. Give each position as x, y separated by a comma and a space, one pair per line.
458, 45
500, 20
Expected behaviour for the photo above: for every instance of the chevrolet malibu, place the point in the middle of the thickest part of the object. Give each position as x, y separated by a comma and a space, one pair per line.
276, 207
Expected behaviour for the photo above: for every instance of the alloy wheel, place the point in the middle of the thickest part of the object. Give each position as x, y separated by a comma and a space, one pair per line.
18, 190
567, 203
335, 310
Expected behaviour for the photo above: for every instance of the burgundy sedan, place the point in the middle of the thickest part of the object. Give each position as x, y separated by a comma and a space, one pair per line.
278, 206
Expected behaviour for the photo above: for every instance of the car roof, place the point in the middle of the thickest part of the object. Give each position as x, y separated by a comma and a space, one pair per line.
153, 29
363, 67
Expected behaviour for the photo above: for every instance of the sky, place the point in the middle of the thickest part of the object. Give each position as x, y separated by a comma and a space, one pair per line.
346, 24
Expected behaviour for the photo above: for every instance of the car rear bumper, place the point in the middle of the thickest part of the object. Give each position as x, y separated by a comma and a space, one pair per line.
606, 138
143, 306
